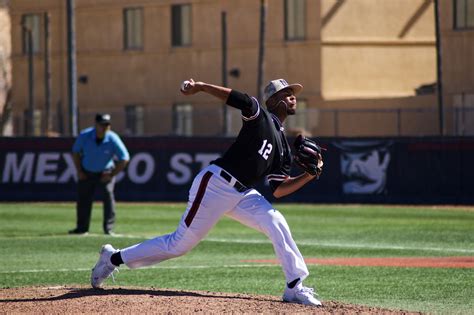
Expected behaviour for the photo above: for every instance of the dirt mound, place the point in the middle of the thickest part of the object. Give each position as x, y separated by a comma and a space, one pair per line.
67, 300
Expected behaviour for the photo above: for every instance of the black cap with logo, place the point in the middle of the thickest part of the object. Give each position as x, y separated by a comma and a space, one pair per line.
103, 119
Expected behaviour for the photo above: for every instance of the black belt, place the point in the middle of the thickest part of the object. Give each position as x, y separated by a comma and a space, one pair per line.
238, 185
92, 175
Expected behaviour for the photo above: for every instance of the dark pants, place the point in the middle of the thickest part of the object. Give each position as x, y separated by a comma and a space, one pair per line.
86, 190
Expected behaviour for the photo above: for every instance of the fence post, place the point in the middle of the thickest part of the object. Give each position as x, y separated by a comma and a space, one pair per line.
463, 113
261, 50
399, 121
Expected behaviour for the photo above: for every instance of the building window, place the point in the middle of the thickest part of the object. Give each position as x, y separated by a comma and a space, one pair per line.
133, 28
299, 121
134, 120
181, 25
464, 14
31, 24
463, 104
183, 119
32, 128
295, 19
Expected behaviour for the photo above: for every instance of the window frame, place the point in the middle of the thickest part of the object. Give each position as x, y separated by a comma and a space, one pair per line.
38, 48
37, 117
294, 37
126, 44
465, 25
180, 42
134, 113
183, 125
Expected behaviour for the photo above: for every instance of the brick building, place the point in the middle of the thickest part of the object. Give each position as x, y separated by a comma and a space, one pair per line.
368, 67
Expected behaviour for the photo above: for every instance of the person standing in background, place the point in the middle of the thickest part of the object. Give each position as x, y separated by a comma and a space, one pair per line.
94, 152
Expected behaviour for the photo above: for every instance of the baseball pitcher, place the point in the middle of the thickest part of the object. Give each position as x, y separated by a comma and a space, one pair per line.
225, 187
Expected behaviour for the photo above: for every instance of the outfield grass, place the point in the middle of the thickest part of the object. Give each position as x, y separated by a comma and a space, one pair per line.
36, 250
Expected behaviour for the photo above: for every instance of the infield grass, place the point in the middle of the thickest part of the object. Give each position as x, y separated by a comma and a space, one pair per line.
36, 251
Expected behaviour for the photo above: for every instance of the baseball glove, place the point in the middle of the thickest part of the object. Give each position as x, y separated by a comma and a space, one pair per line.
308, 156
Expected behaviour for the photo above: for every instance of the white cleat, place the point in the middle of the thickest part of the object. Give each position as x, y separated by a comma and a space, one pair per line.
104, 268
301, 295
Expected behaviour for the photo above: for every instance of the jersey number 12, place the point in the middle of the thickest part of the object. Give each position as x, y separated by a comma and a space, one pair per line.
266, 149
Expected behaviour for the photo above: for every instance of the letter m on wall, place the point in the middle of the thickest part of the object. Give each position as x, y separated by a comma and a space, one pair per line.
16, 171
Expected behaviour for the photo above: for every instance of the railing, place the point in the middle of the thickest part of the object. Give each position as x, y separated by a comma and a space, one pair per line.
385, 122
318, 122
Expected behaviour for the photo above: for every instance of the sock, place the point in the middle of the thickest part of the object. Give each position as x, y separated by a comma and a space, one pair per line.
293, 283
116, 259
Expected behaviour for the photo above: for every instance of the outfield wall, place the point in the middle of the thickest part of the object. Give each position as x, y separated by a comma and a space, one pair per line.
361, 170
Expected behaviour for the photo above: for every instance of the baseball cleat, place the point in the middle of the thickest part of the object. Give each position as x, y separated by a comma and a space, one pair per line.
301, 295
104, 268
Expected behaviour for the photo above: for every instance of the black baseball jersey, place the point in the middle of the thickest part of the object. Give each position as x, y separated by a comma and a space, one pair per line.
261, 148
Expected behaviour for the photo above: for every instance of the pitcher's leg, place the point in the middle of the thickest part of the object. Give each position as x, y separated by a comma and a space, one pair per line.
256, 212
208, 201
158, 249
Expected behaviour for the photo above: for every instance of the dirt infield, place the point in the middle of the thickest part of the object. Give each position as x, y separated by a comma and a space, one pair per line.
69, 300
408, 262
73, 300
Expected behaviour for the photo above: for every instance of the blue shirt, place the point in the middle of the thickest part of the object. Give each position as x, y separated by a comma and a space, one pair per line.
99, 157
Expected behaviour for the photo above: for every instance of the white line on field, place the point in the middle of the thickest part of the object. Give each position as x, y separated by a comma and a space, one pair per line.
322, 244
152, 267
301, 243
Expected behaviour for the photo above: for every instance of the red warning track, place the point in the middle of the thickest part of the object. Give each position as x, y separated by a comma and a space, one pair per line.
408, 262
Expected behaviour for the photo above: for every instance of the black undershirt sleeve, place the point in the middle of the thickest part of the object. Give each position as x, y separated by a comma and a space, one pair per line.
242, 101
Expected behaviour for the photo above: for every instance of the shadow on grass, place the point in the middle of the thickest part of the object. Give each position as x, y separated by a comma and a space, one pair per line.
76, 293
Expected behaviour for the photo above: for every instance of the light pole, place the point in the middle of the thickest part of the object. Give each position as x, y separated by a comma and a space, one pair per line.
30, 125
72, 71
439, 69
261, 49
47, 73
226, 113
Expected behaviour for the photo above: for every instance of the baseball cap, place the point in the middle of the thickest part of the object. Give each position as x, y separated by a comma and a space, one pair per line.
103, 119
278, 85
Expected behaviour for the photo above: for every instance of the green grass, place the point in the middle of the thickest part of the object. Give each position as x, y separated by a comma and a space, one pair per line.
36, 250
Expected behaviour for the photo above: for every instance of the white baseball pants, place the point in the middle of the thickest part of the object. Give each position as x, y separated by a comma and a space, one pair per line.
210, 197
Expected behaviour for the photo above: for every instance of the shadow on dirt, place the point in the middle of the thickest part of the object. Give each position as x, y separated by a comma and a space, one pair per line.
76, 293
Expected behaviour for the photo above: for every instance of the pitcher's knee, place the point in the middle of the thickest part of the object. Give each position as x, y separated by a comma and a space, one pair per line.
274, 221
179, 251
277, 218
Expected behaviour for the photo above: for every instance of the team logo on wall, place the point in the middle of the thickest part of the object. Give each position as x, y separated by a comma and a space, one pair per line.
364, 166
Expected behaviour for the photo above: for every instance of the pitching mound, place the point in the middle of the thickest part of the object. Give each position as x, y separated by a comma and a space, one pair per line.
67, 300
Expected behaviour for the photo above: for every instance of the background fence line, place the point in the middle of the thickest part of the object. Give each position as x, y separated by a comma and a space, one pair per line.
208, 121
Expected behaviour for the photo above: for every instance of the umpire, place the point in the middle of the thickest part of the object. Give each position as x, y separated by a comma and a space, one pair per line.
94, 152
